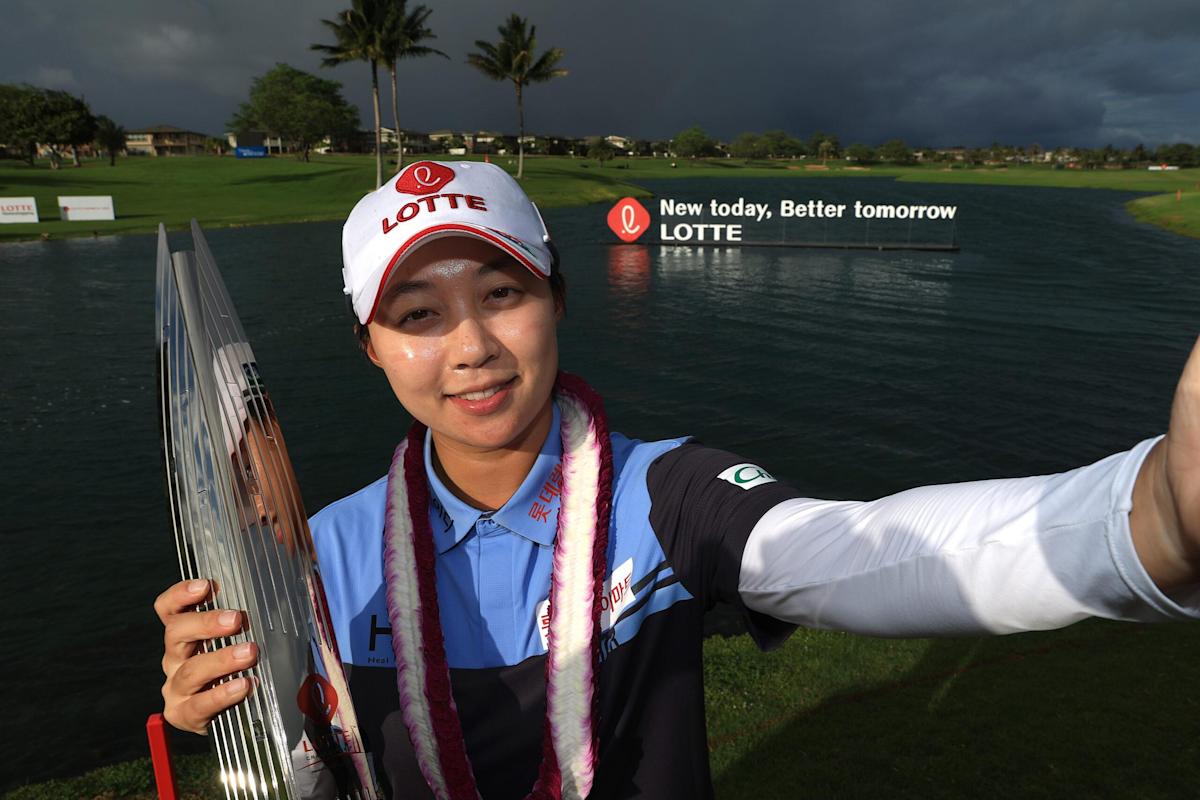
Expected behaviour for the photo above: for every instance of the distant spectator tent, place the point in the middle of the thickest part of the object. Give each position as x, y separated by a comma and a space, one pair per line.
165, 140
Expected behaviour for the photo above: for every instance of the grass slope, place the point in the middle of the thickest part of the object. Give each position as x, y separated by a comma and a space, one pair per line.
1096, 710
226, 191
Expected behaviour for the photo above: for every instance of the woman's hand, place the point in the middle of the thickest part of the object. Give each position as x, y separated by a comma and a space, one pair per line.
1165, 518
190, 698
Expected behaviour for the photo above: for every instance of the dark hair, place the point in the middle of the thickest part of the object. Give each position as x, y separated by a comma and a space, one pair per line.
558, 288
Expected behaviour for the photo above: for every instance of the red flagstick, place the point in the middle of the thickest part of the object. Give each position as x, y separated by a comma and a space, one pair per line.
160, 756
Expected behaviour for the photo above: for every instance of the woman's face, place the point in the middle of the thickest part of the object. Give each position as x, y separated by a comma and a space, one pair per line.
467, 338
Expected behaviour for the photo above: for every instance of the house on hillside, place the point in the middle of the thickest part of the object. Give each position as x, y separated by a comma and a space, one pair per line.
951, 153
165, 140
462, 142
622, 144
549, 145
364, 142
414, 141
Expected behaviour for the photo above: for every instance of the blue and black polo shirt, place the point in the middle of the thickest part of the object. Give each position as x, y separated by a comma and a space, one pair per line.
676, 538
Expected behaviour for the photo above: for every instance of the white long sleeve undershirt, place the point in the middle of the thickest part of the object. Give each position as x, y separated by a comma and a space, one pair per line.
994, 556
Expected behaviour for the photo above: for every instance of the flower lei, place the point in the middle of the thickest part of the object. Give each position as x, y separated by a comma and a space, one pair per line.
569, 744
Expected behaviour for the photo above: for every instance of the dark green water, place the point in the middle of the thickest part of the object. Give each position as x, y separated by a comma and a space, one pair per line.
1052, 339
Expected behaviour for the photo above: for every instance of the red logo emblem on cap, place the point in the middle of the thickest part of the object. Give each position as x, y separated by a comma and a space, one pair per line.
424, 177
628, 219
317, 699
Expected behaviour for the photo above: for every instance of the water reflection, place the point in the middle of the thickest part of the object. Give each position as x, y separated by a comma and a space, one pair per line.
629, 271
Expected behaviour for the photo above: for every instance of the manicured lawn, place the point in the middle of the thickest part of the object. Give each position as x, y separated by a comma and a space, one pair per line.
225, 191
1096, 710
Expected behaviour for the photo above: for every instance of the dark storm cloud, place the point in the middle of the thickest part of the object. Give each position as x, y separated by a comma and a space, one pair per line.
1081, 72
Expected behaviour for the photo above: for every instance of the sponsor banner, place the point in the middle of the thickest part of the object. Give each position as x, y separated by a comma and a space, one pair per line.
76, 209
714, 220
259, 151
18, 209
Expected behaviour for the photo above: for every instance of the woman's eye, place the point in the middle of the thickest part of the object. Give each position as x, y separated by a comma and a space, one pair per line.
415, 316
502, 292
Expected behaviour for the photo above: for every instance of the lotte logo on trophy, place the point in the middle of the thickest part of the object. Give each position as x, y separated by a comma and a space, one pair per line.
628, 219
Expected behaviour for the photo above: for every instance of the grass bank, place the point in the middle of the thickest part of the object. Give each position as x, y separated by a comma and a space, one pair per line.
1177, 213
1096, 710
228, 192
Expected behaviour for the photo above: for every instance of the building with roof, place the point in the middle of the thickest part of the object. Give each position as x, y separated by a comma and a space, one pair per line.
165, 140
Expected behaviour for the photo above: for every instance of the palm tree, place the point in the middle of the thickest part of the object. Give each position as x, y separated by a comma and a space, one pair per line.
402, 32
513, 59
358, 34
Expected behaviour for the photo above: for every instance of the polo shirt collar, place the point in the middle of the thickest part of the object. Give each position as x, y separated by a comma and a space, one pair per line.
532, 511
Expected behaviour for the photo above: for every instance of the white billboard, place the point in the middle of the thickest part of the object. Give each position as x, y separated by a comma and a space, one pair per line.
74, 209
18, 209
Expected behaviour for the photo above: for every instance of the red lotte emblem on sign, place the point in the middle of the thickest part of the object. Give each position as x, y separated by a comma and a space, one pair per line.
628, 219
424, 177
317, 699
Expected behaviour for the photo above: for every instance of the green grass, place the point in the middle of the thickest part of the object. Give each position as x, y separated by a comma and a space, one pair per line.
196, 779
1179, 214
1096, 710
225, 191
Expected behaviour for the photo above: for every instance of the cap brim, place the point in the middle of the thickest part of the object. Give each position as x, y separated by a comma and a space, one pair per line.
506, 242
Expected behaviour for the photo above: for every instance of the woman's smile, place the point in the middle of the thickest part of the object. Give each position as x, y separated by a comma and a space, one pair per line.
483, 401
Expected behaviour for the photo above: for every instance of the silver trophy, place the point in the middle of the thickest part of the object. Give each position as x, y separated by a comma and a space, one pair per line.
239, 521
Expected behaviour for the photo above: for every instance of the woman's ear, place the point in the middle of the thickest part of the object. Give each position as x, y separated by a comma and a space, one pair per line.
369, 349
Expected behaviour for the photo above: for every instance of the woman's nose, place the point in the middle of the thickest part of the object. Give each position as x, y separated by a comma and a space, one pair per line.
474, 344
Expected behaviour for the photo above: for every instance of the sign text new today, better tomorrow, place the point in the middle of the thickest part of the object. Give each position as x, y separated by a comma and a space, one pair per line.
750, 212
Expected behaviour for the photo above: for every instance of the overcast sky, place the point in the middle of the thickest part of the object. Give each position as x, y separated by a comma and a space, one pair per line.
933, 72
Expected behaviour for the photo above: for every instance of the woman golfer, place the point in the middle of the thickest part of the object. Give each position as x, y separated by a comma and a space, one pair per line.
519, 601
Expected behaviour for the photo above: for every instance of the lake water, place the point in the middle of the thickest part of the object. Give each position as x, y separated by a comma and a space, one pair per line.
1053, 338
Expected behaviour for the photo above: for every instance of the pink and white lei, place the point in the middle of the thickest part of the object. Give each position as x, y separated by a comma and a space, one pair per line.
570, 745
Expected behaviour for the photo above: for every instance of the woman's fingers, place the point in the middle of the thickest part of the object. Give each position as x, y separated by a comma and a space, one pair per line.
194, 712
193, 692
181, 597
183, 633
190, 698
196, 673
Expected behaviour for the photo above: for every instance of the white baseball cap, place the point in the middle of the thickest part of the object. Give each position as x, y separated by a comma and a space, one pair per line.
429, 200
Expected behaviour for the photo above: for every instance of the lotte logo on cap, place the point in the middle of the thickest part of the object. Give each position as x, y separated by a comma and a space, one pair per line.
424, 177
628, 219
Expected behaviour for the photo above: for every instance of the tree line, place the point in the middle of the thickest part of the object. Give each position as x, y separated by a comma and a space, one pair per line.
60, 122
295, 105
693, 142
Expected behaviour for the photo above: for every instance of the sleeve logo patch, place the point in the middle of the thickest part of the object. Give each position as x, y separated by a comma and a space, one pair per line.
746, 476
